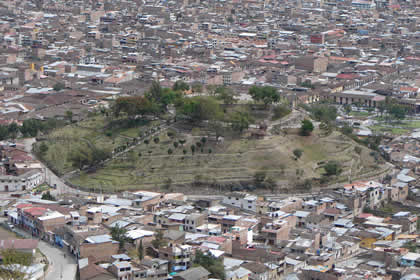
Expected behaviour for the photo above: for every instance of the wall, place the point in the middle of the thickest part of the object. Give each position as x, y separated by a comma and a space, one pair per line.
101, 251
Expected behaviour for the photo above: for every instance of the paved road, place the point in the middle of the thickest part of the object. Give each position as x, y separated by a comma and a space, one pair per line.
60, 267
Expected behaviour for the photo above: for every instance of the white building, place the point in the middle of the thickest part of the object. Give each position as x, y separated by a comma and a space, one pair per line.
241, 200
26, 181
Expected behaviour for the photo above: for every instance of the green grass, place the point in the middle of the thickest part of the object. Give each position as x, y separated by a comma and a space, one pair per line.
360, 114
93, 131
393, 130
411, 124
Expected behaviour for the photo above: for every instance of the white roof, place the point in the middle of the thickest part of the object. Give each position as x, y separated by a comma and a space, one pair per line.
302, 214
216, 253
74, 214
411, 256
177, 217
51, 215
138, 233
232, 217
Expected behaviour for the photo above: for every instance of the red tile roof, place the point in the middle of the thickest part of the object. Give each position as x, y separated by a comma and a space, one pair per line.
347, 76
216, 239
23, 205
35, 211
365, 215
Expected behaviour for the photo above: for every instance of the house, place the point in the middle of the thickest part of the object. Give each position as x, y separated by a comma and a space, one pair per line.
407, 220
195, 273
259, 271
88, 270
153, 268
122, 270
237, 273
409, 259
241, 200
101, 247
179, 256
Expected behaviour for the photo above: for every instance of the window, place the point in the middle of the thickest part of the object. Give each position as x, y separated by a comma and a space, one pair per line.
237, 198
249, 206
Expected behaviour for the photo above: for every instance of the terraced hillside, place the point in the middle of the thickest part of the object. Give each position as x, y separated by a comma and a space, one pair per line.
162, 164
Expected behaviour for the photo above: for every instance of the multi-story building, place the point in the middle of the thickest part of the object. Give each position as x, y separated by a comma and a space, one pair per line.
180, 257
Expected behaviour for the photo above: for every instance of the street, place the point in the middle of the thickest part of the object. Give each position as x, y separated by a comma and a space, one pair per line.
60, 267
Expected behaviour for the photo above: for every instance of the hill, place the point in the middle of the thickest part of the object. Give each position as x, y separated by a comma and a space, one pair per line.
154, 162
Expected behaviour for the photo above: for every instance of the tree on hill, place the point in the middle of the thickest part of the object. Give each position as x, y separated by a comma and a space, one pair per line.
306, 128
259, 178
297, 153
169, 96
155, 92
133, 106
332, 168
88, 155
323, 112
43, 148
200, 108
180, 86
13, 130
226, 94
281, 111
69, 116
240, 120
197, 88
266, 94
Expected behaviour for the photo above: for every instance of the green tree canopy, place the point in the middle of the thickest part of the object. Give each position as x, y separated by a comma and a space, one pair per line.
332, 168
200, 108
213, 265
88, 155
240, 120
180, 86
397, 111
323, 112
297, 153
48, 196
133, 106
155, 92
306, 128
119, 234
226, 94
58, 86
266, 94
